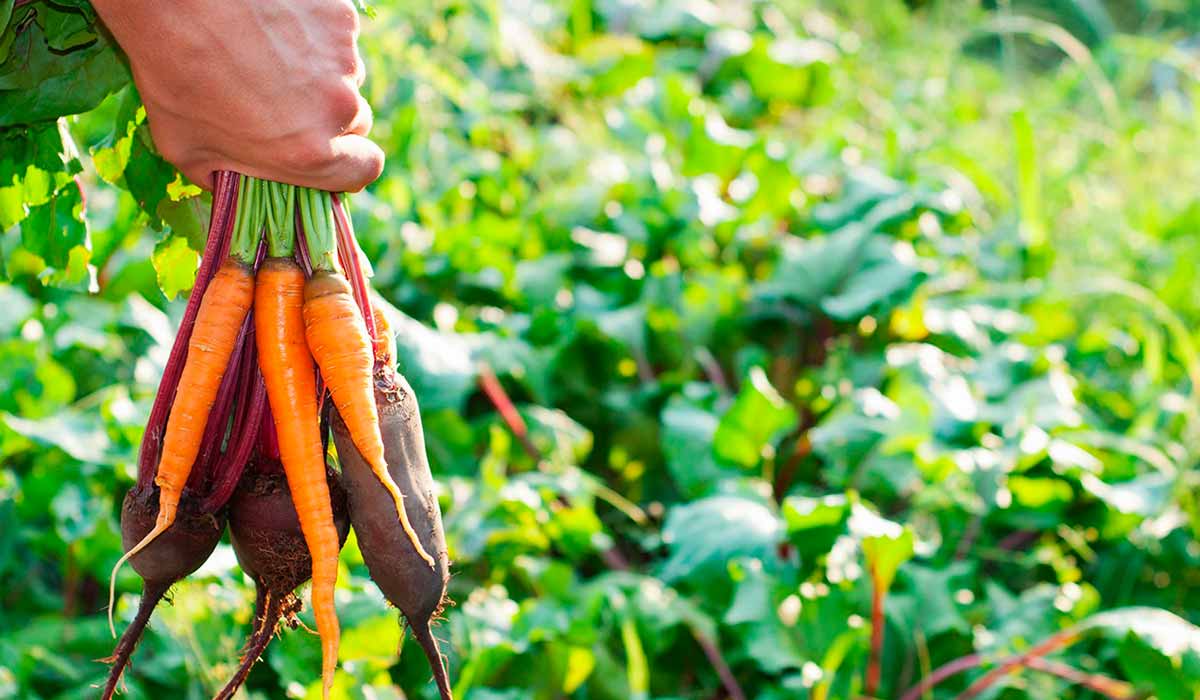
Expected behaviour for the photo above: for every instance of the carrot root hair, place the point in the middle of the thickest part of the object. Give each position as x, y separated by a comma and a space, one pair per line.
152, 593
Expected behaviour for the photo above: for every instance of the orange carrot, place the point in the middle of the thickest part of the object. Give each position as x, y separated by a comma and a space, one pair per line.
337, 337
290, 377
222, 311
385, 340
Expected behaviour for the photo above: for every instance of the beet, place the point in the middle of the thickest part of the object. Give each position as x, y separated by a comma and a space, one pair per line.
405, 578
178, 552
270, 547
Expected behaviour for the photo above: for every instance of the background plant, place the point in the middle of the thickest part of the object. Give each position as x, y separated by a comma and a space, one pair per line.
826, 327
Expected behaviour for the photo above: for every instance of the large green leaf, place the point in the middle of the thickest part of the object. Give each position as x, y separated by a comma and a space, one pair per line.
757, 417
63, 68
704, 535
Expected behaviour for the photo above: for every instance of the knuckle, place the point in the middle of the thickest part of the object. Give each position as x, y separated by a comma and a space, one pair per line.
345, 15
342, 104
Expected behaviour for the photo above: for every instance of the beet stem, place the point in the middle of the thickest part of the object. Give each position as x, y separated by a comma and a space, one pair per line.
263, 633
247, 420
219, 229
348, 256
152, 593
218, 418
433, 652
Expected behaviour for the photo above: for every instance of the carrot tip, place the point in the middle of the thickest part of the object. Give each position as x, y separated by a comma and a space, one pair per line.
405, 524
160, 526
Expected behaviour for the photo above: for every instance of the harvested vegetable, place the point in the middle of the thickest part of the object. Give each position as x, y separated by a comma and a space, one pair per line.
337, 337
181, 549
418, 591
290, 377
266, 535
219, 321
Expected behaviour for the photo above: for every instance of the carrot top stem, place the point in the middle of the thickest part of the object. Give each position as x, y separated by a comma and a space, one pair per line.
316, 213
247, 223
280, 204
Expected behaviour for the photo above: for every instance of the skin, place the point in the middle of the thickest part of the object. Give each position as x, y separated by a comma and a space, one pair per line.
267, 88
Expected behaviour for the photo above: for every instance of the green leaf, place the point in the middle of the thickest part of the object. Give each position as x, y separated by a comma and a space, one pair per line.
928, 600
175, 264
57, 232
37, 83
803, 513
1170, 635
373, 640
15, 307
438, 365
880, 282
704, 535
885, 544
811, 269
147, 175
79, 434
687, 443
755, 420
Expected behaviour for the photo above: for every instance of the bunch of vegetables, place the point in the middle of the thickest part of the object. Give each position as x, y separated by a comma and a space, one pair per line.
278, 350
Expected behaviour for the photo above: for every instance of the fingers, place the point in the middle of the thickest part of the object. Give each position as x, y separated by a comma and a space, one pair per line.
363, 119
357, 162
333, 153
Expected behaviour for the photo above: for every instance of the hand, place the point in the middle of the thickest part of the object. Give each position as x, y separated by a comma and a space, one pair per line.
265, 87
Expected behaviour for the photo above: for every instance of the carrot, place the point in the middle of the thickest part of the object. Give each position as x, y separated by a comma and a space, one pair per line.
385, 341
337, 337
223, 309
290, 378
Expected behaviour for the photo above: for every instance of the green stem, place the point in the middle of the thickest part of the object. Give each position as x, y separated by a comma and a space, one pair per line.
281, 232
247, 225
316, 213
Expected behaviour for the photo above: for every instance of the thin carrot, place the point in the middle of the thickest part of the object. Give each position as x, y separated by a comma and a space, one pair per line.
337, 337
290, 377
385, 340
223, 308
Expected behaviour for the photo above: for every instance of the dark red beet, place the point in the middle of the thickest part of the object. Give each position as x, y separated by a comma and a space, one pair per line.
396, 567
266, 536
174, 555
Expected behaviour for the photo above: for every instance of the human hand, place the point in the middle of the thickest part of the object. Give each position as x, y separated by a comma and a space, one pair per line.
265, 87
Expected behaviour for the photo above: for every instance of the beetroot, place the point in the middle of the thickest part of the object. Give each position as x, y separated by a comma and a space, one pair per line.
174, 555
404, 577
266, 536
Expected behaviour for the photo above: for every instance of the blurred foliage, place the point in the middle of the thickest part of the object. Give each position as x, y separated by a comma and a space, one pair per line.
795, 298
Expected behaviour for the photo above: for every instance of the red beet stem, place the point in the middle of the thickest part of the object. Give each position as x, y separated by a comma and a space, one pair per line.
264, 630
218, 418
348, 256
251, 414
152, 593
220, 227
269, 444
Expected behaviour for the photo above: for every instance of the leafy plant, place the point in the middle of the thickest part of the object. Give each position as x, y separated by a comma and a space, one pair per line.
762, 352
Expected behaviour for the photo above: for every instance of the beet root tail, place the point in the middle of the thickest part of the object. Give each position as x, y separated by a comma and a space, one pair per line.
433, 652
152, 593
265, 623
